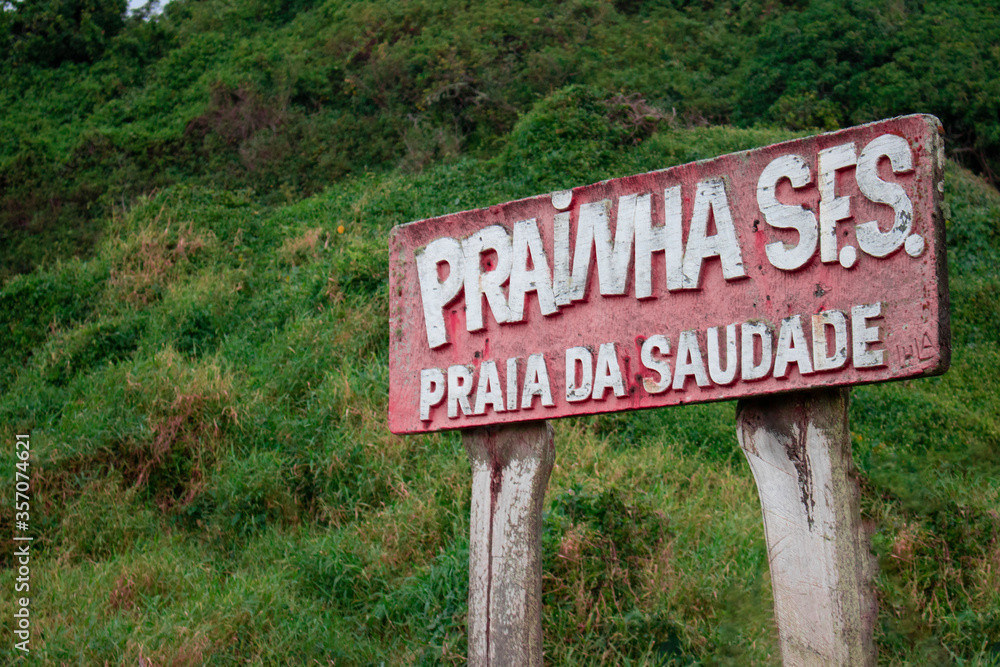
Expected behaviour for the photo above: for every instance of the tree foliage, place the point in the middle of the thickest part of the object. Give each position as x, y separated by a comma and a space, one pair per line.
286, 97
50, 32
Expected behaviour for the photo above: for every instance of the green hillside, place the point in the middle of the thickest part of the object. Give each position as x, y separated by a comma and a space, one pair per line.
286, 97
200, 354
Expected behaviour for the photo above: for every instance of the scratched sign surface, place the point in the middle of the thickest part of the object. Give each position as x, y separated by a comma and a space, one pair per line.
815, 262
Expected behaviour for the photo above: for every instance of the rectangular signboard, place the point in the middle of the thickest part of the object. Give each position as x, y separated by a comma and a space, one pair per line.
811, 263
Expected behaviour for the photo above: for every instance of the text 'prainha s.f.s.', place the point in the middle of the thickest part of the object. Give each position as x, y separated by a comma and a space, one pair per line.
816, 262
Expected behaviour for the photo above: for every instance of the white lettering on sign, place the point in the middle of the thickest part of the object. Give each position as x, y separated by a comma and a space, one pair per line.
791, 348
536, 383
751, 333
528, 248
864, 335
608, 374
661, 345
520, 262
710, 202
489, 283
459, 388
689, 361
488, 390
578, 385
786, 216
435, 292
722, 376
814, 262
873, 240
431, 391
756, 351
823, 360
832, 209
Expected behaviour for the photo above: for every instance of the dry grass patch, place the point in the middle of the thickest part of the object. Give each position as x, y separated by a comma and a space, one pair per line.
186, 406
145, 261
304, 247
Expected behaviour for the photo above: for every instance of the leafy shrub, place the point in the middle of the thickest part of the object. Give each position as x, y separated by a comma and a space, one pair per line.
49, 32
285, 97
829, 63
574, 133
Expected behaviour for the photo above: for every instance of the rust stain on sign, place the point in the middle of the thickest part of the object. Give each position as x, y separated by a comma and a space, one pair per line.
815, 262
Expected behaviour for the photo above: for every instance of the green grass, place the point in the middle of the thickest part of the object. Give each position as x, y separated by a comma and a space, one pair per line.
214, 482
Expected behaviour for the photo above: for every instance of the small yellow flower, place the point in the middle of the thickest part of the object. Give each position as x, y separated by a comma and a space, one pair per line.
340, 229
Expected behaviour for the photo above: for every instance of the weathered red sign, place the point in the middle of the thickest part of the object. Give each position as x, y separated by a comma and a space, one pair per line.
815, 262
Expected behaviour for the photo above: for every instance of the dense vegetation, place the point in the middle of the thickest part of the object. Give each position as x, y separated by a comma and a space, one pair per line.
284, 97
205, 385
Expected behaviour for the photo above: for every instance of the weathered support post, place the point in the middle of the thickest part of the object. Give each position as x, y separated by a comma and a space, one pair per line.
822, 571
510, 471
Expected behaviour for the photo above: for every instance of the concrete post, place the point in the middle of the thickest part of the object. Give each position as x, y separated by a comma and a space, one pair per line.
799, 449
510, 471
